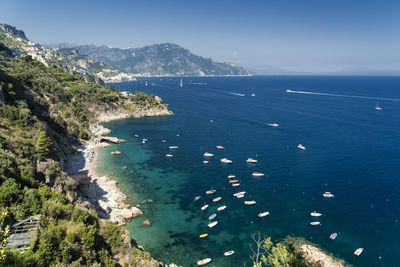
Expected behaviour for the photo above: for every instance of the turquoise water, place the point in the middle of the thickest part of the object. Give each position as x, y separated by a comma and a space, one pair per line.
352, 151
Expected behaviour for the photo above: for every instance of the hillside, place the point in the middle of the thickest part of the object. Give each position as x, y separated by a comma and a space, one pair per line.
45, 113
165, 59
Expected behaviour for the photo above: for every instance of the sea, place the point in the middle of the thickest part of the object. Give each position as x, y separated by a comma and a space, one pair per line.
352, 150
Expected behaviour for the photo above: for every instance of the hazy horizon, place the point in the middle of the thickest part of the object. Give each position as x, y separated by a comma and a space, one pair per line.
265, 37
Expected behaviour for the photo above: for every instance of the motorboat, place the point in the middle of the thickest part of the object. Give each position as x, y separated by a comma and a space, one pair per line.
300, 146
206, 154
263, 214
220, 147
203, 235
314, 223
204, 261
239, 196
212, 191
328, 195
211, 225
145, 139
164, 141
315, 214
230, 176
205, 161
169, 155
136, 135
143, 142
196, 198
229, 253
221, 208
212, 216
250, 202
237, 184
251, 160
173, 147
358, 251
258, 174
253, 94
225, 160
273, 124
233, 181
239, 193
204, 207
377, 107
333, 236
217, 199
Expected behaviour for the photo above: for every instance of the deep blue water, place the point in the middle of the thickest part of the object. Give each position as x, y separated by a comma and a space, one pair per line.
352, 151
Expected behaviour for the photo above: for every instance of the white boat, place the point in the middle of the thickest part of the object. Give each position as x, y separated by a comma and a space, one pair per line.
145, 83
196, 198
229, 253
164, 141
204, 207
181, 83
300, 146
225, 160
263, 214
173, 147
221, 208
240, 196
358, 251
212, 216
230, 176
205, 161
251, 160
217, 199
212, 191
314, 223
377, 107
333, 236
211, 225
143, 142
169, 155
204, 261
253, 94
315, 214
208, 154
273, 124
136, 135
258, 174
250, 202
328, 195
145, 139
239, 193
220, 147
237, 184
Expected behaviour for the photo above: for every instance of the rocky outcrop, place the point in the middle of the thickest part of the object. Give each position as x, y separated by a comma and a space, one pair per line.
12, 30
317, 257
116, 114
147, 223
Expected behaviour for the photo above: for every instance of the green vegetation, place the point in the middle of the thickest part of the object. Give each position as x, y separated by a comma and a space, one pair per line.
46, 112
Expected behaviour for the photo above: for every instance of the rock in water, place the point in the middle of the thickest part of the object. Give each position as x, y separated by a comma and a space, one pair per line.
147, 223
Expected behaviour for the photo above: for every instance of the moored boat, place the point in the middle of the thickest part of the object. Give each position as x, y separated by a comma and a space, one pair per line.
204, 207
212, 191
237, 184
314, 223
251, 160
173, 147
205, 161
203, 235
225, 160
258, 174
212, 216
229, 253
169, 155
221, 208
233, 181
250, 202
211, 225
220, 147
358, 251
239, 193
208, 154
217, 199
315, 214
328, 195
263, 214
333, 236
230, 176
196, 198
300, 146
204, 261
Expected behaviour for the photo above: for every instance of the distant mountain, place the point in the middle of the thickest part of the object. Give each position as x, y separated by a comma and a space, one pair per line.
165, 59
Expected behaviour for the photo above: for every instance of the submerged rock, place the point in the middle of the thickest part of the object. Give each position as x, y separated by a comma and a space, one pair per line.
147, 223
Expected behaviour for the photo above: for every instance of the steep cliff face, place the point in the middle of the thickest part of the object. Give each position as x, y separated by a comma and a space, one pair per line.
12, 30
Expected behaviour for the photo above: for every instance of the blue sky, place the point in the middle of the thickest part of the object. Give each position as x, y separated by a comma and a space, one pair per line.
264, 36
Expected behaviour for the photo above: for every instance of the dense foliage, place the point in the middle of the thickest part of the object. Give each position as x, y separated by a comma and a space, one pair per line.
44, 113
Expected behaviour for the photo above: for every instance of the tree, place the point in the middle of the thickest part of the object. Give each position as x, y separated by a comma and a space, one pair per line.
43, 144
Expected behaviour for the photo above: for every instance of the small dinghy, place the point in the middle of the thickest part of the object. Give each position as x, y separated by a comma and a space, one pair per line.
251, 160
333, 236
315, 214
250, 202
225, 160
205, 161
173, 147
258, 174
239, 196
358, 251
233, 181
136, 135
203, 235
328, 195
211, 225
314, 223
239, 193
220, 147
204, 261
229, 253
300, 146
206, 154
196, 198
145, 139
263, 214
217, 199
164, 141
143, 142
212, 191
221, 208
204, 207
237, 184
212, 217
230, 176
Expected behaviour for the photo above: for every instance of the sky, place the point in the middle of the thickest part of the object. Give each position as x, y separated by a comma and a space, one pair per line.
333, 37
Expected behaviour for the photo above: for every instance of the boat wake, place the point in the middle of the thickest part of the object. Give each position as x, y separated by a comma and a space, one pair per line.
232, 93
350, 96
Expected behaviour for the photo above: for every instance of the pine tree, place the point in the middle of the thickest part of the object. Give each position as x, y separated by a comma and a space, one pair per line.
43, 144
